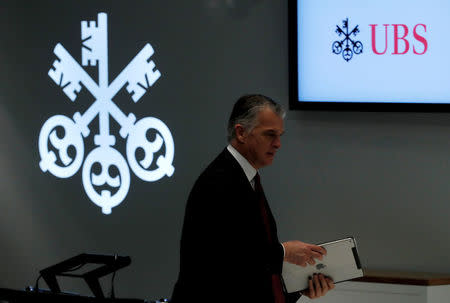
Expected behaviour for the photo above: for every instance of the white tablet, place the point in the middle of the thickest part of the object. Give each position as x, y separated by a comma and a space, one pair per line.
341, 263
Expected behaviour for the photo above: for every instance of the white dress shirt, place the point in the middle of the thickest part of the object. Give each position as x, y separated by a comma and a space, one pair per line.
249, 171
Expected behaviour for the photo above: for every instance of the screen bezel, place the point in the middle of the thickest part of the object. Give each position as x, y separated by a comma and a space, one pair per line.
295, 104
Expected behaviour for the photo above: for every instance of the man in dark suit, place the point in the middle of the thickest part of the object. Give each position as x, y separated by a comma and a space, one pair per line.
229, 246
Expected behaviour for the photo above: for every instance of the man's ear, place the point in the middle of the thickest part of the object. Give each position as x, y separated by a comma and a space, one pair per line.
241, 134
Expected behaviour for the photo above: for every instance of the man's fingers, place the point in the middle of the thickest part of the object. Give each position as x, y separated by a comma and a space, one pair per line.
323, 284
312, 292
311, 261
316, 255
317, 286
330, 283
317, 252
318, 249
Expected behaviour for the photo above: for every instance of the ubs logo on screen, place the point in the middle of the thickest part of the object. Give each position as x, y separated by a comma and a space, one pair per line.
347, 46
399, 34
105, 172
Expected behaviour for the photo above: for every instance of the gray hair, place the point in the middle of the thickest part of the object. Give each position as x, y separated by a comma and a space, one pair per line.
245, 112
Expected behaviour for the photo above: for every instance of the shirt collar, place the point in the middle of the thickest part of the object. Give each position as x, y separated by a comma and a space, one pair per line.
249, 170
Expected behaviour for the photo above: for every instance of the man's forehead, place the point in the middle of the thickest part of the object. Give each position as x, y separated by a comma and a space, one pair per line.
267, 118
276, 128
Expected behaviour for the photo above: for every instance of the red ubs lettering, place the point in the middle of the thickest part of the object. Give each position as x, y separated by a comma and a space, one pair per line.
401, 43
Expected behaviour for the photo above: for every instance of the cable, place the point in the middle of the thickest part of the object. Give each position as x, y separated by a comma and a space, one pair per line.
36, 285
113, 296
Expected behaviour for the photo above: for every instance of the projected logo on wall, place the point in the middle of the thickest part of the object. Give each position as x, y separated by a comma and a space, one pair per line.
350, 45
105, 173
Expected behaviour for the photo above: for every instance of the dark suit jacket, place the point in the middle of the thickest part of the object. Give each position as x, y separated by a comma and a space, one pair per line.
225, 255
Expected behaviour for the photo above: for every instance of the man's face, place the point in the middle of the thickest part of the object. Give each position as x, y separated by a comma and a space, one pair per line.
263, 141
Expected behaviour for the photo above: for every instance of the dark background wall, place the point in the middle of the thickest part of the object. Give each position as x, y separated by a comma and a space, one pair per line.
381, 177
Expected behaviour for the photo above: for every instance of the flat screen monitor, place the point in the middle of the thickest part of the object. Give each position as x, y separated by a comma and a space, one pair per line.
369, 55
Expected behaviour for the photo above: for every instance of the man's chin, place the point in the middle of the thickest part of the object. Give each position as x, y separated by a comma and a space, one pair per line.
270, 159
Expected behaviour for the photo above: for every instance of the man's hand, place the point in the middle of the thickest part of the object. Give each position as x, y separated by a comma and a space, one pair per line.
319, 285
301, 253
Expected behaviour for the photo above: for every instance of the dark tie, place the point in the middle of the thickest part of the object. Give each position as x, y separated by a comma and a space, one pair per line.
277, 287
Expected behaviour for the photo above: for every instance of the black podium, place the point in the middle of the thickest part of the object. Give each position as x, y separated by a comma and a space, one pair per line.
23, 296
73, 267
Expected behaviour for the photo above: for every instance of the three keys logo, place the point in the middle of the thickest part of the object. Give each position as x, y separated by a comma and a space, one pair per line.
347, 46
105, 173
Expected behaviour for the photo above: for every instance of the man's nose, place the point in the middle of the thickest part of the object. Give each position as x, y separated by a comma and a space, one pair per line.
277, 142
